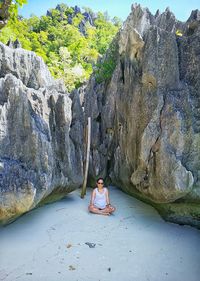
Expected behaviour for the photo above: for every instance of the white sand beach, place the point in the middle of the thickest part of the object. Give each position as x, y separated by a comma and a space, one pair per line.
49, 244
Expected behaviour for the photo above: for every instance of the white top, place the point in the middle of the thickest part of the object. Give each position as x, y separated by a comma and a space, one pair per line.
100, 198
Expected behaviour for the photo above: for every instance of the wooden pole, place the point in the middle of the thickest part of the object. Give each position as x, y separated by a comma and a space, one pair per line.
83, 192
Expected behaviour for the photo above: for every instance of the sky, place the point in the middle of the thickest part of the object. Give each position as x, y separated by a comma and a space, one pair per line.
119, 8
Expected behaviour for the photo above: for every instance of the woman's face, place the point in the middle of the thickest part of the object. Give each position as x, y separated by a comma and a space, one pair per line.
100, 183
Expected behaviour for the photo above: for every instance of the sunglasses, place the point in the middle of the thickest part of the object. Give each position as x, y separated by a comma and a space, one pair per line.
100, 182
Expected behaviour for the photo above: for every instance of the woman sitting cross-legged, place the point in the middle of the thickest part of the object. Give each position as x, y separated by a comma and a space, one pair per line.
100, 202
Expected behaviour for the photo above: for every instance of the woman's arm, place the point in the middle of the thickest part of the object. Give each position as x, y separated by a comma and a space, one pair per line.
107, 197
92, 197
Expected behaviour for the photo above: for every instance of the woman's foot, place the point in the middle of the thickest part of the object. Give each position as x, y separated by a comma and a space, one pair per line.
105, 213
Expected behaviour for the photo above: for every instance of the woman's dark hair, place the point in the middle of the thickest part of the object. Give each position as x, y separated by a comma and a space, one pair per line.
100, 179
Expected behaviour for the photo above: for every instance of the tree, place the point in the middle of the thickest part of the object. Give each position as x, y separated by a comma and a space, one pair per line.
8, 9
117, 21
58, 38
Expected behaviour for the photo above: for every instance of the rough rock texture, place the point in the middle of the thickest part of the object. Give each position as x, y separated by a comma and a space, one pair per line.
146, 118
40, 139
145, 122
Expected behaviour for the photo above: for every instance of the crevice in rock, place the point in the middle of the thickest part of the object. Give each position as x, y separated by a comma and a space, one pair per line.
155, 147
122, 69
98, 119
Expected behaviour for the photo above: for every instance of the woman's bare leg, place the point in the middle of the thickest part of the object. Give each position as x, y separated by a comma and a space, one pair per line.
110, 209
94, 210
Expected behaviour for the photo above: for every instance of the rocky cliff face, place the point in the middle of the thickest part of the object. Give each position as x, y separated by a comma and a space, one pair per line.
145, 121
40, 138
146, 118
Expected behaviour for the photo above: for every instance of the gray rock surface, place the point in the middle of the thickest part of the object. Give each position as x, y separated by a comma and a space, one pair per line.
146, 118
40, 138
145, 122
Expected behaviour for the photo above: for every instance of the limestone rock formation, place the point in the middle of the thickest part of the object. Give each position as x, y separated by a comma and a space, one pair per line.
40, 139
145, 121
146, 118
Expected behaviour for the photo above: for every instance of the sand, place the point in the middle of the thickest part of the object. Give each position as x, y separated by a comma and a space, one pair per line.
62, 241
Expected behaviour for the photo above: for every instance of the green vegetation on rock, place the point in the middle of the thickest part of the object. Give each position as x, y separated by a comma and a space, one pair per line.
106, 65
9, 9
69, 41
